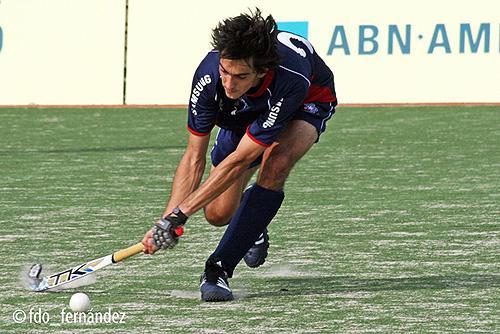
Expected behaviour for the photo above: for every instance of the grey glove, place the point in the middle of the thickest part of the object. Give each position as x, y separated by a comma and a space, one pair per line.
167, 231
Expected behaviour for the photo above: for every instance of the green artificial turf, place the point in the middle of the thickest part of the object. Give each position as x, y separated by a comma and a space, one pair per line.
390, 224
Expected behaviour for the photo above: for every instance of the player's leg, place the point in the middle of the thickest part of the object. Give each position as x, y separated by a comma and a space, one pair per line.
213, 282
278, 161
258, 207
220, 211
261, 202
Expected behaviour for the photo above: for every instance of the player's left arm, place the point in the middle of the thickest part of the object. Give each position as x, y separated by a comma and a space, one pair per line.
165, 233
223, 175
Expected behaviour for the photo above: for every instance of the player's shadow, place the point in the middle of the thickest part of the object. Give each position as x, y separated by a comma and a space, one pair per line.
282, 286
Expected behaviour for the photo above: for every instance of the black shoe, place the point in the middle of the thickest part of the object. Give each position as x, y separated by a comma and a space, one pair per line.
256, 255
213, 283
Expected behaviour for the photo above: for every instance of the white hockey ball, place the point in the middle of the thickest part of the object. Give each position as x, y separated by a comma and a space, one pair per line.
79, 302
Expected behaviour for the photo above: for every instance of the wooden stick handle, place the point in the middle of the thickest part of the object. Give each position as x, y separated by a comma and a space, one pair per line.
127, 252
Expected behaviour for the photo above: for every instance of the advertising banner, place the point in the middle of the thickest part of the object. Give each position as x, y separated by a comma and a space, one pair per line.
386, 51
61, 52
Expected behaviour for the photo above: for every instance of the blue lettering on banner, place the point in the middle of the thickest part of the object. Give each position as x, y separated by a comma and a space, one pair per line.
474, 45
298, 28
394, 31
363, 39
1, 38
400, 39
339, 31
440, 30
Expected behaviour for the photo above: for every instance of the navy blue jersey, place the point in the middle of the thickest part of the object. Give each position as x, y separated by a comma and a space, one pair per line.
265, 110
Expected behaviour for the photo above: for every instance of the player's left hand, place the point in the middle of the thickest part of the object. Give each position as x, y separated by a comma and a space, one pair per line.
149, 247
166, 232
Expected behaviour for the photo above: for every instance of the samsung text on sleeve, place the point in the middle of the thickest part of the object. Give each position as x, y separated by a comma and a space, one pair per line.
273, 115
197, 89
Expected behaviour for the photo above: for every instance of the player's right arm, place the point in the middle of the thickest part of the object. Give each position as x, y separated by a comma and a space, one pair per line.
201, 120
189, 171
186, 180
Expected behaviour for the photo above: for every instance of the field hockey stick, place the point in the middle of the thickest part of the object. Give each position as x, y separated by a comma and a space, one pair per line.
75, 273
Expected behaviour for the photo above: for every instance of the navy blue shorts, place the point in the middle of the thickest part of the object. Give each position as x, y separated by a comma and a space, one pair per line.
316, 114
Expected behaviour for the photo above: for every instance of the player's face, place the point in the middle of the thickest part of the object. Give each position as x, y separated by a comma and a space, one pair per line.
238, 77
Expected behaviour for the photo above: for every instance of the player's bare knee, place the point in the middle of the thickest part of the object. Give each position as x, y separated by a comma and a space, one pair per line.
216, 218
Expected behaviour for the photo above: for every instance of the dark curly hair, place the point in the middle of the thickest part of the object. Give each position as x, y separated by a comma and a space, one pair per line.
248, 37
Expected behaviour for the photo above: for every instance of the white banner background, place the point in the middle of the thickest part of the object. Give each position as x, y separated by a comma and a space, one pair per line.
71, 51
62, 51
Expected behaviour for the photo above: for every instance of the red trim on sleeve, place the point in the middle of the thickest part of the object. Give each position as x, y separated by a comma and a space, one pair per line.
319, 94
197, 133
256, 140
